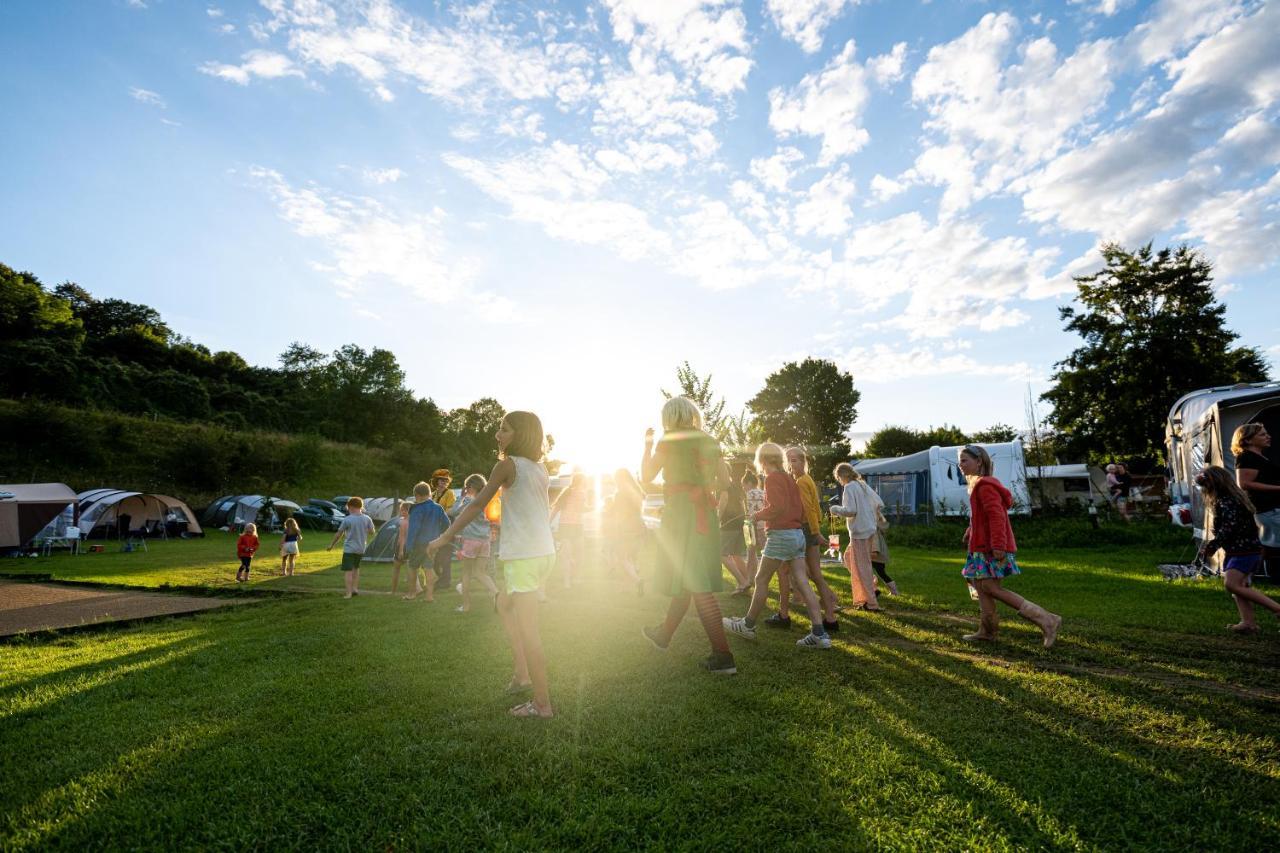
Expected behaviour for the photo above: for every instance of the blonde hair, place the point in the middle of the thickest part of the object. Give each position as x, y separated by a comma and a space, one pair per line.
251, 529
985, 466
681, 413
1217, 483
291, 525
769, 453
844, 469
422, 490
803, 456
475, 482
1243, 435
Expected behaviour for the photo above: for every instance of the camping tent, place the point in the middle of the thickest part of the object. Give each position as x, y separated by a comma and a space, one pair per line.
930, 481
235, 510
383, 509
102, 510
1198, 433
26, 508
383, 547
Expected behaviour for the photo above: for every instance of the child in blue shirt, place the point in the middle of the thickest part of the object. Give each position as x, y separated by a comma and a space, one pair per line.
427, 520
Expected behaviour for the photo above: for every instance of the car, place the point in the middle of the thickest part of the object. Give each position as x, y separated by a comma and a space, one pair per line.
315, 517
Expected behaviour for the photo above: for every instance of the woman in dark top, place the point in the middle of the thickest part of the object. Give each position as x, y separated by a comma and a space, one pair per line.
1259, 477
1234, 531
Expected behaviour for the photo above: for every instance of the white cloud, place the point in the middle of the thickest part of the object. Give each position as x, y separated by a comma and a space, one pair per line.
776, 171
368, 247
881, 363
213, 12
146, 96
1106, 8
998, 121
825, 210
804, 21
523, 123
827, 104
383, 176
887, 68
1175, 24
886, 188
1164, 169
256, 63
706, 38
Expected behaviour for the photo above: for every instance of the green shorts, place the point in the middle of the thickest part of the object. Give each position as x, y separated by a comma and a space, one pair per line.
350, 561
528, 574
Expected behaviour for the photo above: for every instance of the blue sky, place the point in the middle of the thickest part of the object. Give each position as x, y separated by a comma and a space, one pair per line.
555, 204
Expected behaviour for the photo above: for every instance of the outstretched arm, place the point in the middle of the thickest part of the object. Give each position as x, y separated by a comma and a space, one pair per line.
650, 463
504, 474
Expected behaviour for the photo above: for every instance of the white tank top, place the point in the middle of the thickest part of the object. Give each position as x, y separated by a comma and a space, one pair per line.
526, 525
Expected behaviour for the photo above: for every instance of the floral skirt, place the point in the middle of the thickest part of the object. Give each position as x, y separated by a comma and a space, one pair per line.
982, 567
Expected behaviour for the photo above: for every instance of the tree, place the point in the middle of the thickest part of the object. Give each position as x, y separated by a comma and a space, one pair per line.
699, 391
812, 404
892, 441
994, 434
1153, 330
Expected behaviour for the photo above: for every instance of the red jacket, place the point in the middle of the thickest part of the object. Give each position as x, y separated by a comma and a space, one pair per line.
989, 528
782, 508
246, 545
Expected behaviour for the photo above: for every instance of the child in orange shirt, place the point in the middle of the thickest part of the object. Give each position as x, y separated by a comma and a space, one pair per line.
246, 547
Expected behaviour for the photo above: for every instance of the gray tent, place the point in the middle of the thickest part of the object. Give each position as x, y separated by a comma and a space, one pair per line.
25, 509
383, 547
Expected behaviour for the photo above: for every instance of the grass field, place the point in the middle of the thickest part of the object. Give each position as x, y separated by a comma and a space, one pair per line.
307, 721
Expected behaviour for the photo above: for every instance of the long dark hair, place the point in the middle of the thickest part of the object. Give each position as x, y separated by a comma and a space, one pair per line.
1217, 483
529, 442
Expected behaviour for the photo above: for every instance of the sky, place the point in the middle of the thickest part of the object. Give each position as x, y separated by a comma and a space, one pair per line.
555, 204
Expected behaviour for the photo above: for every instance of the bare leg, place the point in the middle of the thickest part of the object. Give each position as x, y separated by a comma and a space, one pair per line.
355, 582
827, 596
737, 567
784, 594
988, 618
519, 666
284, 561
349, 579
768, 567
468, 568
1240, 585
526, 611
800, 574
395, 575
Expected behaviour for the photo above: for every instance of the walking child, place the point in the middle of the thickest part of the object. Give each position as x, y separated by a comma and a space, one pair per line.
426, 521
290, 546
688, 538
733, 541
399, 556
570, 504
473, 550
441, 479
880, 553
860, 507
355, 532
246, 547
798, 466
1236, 533
784, 549
526, 549
991, 549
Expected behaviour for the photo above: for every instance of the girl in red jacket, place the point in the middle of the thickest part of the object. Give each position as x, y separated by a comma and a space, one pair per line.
246, 547
991, 550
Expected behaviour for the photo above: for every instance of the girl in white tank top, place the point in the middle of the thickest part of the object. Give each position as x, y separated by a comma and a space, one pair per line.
526, 549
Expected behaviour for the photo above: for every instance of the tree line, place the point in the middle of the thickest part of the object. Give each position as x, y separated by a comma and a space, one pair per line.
63, 345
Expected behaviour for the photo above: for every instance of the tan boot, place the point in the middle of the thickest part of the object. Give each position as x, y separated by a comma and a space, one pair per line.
988, 624
1048, 622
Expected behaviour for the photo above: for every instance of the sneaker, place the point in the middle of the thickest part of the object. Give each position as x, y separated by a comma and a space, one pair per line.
777, 620
458, 587
720, 664
654, 635
831, 627
812, 641
738, 625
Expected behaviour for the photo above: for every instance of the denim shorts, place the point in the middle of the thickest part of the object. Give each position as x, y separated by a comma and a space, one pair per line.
785, 545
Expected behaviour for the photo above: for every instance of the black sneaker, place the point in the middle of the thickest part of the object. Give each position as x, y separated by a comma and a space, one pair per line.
777, 620
720, 664
831, 627
654, 635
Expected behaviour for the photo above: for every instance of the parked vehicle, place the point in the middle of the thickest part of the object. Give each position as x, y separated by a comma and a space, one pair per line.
314, 517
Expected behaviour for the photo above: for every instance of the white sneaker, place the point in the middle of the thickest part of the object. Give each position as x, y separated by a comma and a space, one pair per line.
738, 625
458, 587
812, 641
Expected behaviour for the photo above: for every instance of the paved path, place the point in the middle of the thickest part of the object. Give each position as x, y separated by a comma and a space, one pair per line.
26, 607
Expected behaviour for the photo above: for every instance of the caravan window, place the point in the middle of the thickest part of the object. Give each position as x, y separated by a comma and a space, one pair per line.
898, 491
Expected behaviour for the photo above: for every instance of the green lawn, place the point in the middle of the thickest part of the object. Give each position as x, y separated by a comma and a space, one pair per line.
306, 721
